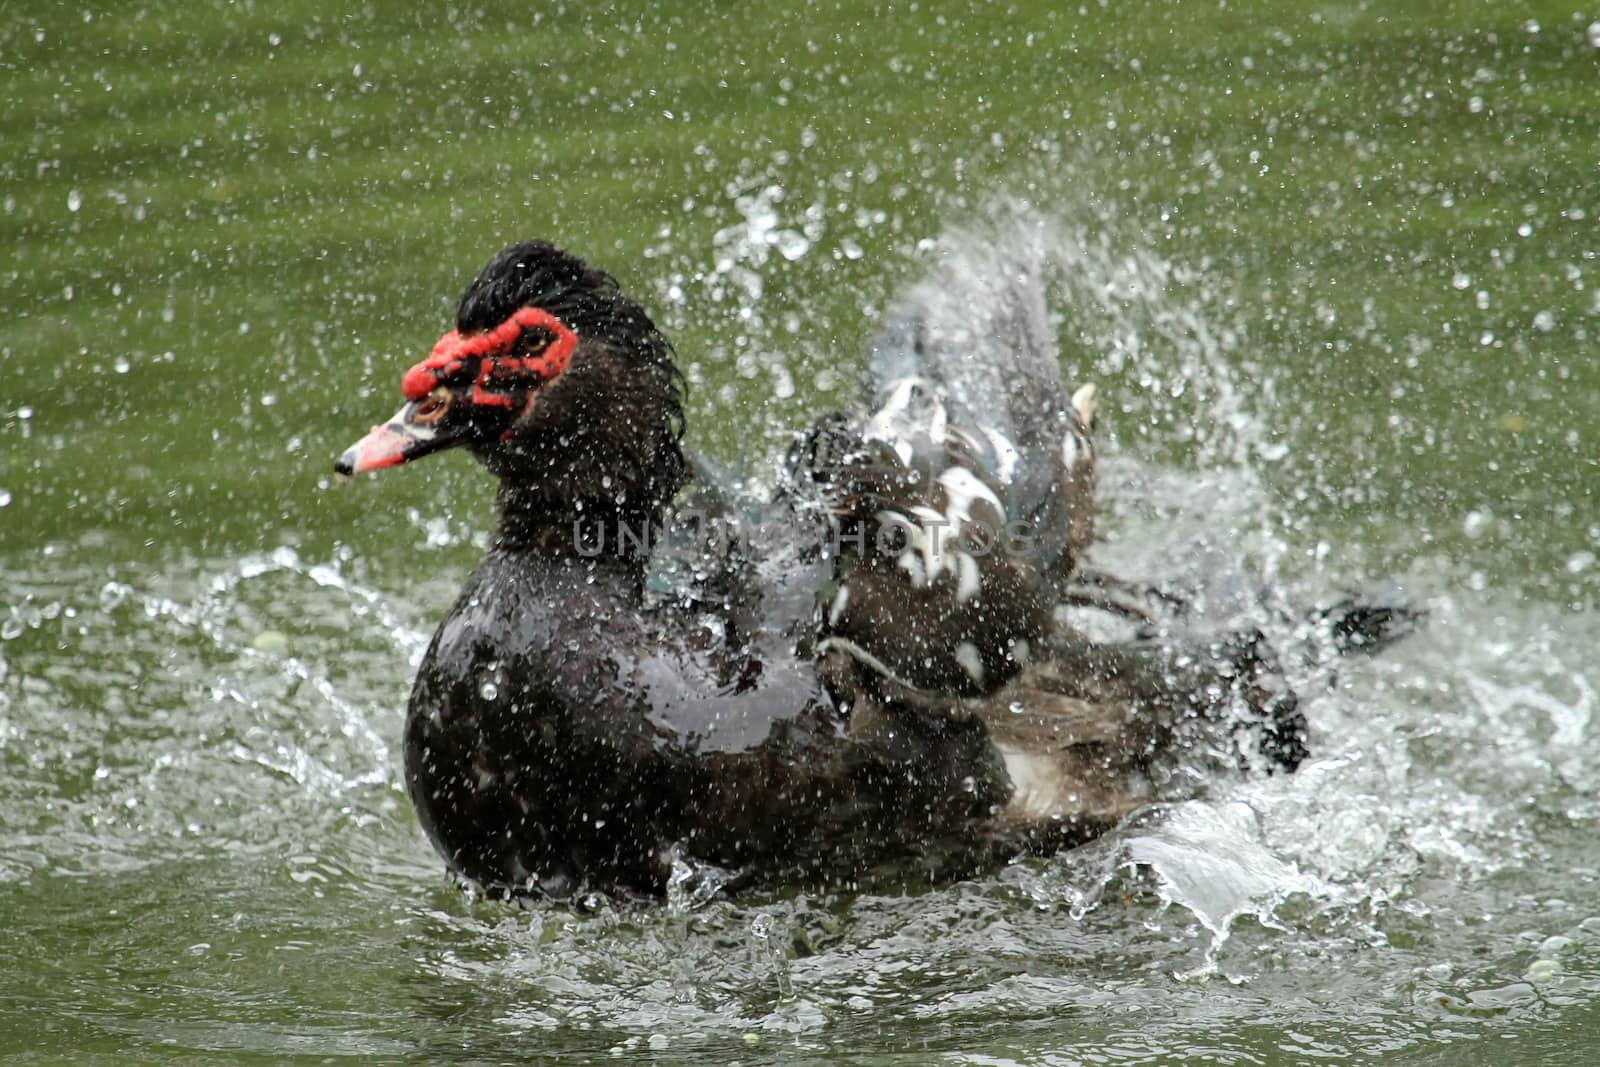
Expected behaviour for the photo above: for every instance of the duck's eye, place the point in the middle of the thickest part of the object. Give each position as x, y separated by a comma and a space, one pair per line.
432, 407
533, 342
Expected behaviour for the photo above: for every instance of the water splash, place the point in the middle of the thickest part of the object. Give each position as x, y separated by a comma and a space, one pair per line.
259, 714
1213, 859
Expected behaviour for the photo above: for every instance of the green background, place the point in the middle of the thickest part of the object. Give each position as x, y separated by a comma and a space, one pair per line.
1333, 267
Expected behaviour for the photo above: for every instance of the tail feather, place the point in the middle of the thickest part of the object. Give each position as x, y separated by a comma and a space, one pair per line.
1356, 627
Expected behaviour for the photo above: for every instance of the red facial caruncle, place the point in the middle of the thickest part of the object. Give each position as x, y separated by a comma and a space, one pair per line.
442, 412
497, 368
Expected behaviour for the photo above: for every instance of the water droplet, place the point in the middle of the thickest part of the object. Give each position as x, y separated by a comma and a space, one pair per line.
1460, 281
112, 594
791, 244
74, 201
120, 364
1594, 34
1525, 230
488, 690
5, 498
271, 642
1541, 971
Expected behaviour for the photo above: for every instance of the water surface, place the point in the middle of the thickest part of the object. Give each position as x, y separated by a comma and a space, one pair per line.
1332, 267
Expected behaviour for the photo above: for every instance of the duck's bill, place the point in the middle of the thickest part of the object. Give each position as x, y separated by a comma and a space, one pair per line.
400, 440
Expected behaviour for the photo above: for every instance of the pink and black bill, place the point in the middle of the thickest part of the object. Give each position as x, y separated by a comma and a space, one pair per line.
470, 389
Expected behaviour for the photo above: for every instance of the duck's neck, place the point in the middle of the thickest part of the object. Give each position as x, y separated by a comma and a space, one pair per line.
587, 476
596, 532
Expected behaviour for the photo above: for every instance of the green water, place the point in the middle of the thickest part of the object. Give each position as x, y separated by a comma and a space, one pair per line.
1332, 266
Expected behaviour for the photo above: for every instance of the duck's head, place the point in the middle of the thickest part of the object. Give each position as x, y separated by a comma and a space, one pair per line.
559, 383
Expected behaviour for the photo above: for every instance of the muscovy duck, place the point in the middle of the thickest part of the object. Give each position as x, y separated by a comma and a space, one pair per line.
817, 712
